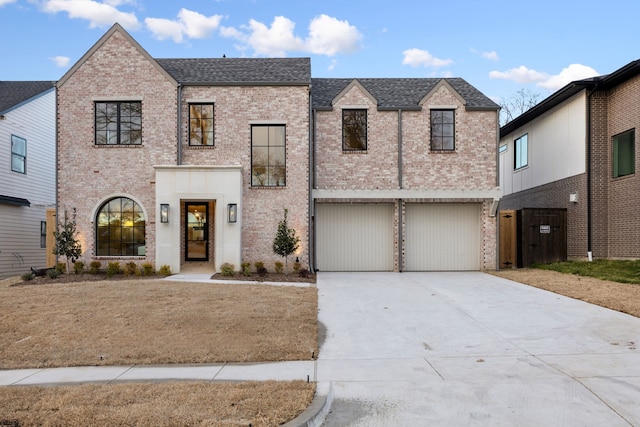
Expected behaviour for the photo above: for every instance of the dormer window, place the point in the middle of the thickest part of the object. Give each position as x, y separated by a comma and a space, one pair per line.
354, 130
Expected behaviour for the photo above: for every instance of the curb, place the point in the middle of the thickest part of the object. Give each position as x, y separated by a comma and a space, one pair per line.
315, 414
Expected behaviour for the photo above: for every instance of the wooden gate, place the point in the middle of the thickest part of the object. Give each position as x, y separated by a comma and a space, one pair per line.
508, 239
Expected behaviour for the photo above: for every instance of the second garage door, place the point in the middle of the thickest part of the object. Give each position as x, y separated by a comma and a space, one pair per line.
443, 236
354, 237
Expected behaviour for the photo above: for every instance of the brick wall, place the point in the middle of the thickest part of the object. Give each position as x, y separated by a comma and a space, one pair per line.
88, 174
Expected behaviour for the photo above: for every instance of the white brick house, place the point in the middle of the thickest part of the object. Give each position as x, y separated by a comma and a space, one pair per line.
224, 145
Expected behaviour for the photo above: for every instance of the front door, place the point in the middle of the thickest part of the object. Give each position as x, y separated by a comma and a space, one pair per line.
196, 231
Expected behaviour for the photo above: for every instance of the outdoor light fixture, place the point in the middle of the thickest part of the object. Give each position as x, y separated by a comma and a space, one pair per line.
232, 211
164, 213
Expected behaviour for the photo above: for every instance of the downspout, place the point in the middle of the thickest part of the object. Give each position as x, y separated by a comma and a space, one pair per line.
57, 147
179, 108
311, 175
400, 210
589, 172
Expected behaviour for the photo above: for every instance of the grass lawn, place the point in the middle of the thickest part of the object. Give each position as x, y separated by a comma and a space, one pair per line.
613, 270
141, 322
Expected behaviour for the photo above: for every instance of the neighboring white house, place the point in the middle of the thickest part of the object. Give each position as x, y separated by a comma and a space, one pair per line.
27, 173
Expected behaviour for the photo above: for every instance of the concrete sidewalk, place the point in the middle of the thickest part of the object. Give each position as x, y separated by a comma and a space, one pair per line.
447, 349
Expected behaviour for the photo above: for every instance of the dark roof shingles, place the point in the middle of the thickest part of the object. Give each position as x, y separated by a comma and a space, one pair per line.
13, 93
238, 70
396, 92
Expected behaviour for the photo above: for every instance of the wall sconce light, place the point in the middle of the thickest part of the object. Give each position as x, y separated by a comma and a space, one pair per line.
232, 212
573, 197
164, 213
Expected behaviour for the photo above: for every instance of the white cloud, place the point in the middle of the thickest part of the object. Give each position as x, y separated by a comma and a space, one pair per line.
60, 61
524, 75
327, 36
189, 24
275, 40
98, 14
418, 57
5, 2
493, 56
567, 75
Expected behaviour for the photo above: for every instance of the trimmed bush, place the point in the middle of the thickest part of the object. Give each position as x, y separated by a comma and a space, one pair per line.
131, 269
227, 269
246, 268
259, 266
78, 267
165, 270
53, 273
61, 267
27, 276
147, 269
113, 268
279, 267
94, 267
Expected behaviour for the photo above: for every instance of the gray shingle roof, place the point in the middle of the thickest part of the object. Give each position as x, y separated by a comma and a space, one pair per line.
393, 93
14, 93
220, 71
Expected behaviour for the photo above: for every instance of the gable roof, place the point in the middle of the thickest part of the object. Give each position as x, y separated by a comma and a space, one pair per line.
397, 93
114, 28
604, 82
228, 71
15, 93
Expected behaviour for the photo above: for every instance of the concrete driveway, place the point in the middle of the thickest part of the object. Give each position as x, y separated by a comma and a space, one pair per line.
453, 349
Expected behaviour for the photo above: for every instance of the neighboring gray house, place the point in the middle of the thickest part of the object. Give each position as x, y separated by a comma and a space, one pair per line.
27, 173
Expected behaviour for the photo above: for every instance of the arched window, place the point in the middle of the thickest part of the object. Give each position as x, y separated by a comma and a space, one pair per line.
120, 228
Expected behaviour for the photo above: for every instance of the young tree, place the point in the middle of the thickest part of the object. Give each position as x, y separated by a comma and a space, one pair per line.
67, 244
286, 241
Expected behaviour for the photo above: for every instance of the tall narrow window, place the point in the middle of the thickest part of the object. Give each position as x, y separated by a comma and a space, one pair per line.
443, 130
354, 130
18, 154
268, 165
43, 234
118, 123
120, 228
521, 152
624, 153
200, 124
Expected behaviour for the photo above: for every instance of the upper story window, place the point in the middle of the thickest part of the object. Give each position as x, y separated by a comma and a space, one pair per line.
201, 124
119, 123
268, 166
502, 148
354, 130
443, 130
624, 153
521, 152
18, 154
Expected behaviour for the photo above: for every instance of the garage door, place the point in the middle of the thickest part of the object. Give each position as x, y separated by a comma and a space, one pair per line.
442, 237
354, 237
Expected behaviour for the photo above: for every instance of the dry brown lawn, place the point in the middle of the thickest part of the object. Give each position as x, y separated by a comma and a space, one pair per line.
622, 297
114, 322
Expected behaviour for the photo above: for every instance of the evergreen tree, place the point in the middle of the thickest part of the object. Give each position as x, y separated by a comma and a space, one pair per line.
286, 241
67, 244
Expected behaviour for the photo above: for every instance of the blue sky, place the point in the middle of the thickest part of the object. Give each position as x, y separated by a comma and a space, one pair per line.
498, 46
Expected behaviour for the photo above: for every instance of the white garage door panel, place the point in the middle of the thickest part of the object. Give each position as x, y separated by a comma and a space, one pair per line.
354, 237
442, 237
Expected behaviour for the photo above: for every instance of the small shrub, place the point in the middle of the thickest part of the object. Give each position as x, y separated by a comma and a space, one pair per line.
113, 268
304, 273
94, 267
78, 267
246, 268
131, 268
53, 273
61, 267
279, 267
262, 272
259, 265
27, 276
165, 270
296, 266
147, 269
227, 269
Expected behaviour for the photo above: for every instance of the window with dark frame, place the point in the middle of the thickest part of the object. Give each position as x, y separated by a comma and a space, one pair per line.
268, 156
118, 123
521, 152
18, 154
354, 130
43, 234
201, 124
120, 228
624, 153
443, 130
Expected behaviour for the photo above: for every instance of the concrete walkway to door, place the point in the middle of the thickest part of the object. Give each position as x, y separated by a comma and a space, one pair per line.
444, 349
